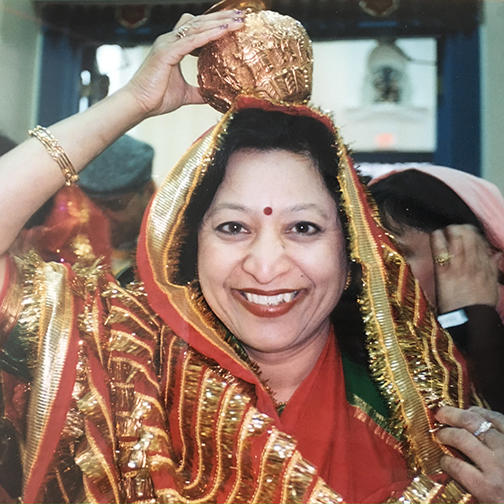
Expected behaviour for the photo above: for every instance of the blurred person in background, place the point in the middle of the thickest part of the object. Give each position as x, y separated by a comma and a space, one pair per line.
450, 227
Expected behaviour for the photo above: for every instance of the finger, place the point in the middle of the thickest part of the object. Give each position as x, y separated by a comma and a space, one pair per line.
454, 240
495, 417
469, 422
198, 24
438, 242
496, 258
220, 15
193, 41
466, 474
468, 444
468, 419
189, 42
440, 248
185, 18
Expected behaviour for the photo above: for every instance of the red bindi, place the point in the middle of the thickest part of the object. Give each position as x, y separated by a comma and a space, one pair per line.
268, 210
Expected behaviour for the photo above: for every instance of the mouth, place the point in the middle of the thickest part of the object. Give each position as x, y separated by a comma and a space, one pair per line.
268, 303
269, 300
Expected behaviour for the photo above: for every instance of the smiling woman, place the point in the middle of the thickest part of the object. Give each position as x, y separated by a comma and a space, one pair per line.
273, 281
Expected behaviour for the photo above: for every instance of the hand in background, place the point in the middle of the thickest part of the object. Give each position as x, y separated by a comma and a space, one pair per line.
469, 276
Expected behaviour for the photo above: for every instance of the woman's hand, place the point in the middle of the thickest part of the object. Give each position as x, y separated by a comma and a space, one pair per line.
158, 86
468, 275
483, 474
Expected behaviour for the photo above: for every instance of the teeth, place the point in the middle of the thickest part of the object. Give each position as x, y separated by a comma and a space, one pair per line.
285, 297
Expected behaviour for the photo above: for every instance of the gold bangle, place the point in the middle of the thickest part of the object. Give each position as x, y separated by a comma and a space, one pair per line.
54, 149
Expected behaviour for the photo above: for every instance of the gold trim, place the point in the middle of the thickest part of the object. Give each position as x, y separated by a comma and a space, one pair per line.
135, 299
125, 342
90, 498
54, 334
390, 344
207, 406
243, 438
187, 397
87, 461
119, 315
139, 367
165, 232
363, 412
423, 490
322, 494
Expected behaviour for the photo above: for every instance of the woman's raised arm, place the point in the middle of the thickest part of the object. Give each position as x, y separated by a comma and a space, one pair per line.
28, 174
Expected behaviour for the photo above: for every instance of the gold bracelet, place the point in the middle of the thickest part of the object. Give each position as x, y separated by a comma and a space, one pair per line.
54, 149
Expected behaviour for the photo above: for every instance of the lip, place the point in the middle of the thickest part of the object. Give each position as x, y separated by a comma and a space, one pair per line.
268, 311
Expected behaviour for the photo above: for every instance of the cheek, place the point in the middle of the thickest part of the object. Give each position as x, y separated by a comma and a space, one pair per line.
329, 269
213, 266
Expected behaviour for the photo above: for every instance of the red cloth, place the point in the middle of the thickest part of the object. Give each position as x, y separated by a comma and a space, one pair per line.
360, 465
74, 220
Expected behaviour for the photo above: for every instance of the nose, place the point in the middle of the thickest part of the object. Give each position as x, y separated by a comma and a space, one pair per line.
266, 258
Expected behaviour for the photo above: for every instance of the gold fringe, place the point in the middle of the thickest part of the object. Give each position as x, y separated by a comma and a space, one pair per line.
422, 490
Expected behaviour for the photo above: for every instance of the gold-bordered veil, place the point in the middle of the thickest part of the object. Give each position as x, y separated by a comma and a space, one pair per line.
413, 361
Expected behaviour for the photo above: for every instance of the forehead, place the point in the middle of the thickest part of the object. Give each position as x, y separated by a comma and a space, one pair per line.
273, 176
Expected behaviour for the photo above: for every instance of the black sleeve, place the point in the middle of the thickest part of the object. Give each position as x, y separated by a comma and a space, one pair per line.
481, 340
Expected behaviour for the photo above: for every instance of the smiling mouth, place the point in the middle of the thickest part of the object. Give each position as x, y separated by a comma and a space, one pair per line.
268, 304
275, 300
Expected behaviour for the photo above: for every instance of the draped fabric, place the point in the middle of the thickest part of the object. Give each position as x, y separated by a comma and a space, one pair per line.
74, 228
140, 395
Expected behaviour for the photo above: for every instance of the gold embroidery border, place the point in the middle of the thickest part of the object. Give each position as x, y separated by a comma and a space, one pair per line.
408, 408
55, 331
164, 223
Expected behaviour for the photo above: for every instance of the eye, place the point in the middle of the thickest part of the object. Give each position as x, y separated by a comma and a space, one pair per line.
305, 228
231, 228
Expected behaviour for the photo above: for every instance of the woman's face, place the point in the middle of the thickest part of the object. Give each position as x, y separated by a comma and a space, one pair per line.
271, 253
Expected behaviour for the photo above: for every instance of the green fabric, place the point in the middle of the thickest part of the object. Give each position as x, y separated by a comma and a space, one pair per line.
363, 393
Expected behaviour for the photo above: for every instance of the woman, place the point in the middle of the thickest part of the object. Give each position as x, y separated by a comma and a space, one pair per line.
172, 391
448, 225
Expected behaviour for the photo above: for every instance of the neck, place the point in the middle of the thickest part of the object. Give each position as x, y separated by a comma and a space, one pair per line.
284, 371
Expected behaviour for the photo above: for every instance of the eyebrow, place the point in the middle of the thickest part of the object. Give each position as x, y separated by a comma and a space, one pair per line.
230, 206
308, 206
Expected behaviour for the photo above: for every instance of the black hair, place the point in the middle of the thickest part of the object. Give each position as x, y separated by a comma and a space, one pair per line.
412, 198
261, 130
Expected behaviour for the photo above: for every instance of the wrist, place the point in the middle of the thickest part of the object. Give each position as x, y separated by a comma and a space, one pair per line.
132, 108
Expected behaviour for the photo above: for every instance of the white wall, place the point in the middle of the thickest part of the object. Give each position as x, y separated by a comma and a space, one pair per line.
339, 85
19, 63
492, 91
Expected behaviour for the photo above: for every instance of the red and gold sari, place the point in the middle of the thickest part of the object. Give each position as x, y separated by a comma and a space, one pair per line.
140, 395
